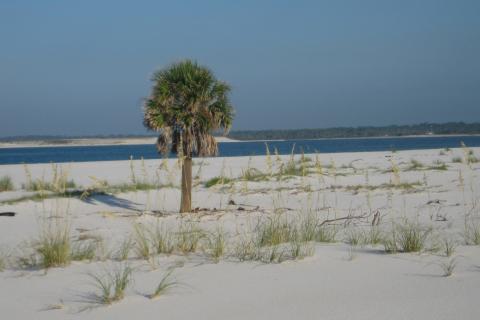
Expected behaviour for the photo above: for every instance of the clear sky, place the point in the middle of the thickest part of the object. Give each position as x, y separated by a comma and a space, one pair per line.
83, 67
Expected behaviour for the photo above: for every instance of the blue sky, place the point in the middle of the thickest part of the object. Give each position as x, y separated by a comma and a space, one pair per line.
83, 67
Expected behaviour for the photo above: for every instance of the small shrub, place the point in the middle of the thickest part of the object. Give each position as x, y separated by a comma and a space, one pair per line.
6, 184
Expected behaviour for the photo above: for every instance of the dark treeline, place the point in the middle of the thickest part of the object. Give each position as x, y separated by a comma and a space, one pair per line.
355, 132
339, 132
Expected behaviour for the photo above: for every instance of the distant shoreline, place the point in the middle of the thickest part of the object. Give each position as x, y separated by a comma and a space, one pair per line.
87, 142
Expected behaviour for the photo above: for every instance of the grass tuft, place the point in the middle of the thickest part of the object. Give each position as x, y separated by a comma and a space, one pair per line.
406, 237
112, 284
448, 266
83, 250
166, 283
142, 245
54, 245
217, 181
216, 244
6, 184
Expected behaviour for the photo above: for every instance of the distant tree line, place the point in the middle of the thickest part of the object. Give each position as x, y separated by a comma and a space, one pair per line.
339, 132
353, 132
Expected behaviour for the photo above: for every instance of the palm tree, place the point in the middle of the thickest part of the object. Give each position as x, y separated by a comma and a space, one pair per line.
186, 105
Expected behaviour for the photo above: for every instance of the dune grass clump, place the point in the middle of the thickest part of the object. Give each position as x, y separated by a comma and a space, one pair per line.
246, 248
448, 266
188, 237
6, 184
124, 249
216, 244
54, 245
253, 174
166, 284
354, 237
412, 237
142, 245
59, 183
220, 180
83, 250
290, 169
300, 249
42, 185
112, 284
275, 230
415, 165
457, 160
448, 246
132, 187
406, 237
472, 233
162, 240
4, 258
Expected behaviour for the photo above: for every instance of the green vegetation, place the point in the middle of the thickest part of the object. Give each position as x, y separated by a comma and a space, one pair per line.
112, 284
407, 186
448, 267
350, 132
472, 233
166, 283
6, 184
54, 246
406, 237
217, 180
186, 105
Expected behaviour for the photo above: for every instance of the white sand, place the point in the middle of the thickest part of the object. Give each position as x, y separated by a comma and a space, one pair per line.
337, 282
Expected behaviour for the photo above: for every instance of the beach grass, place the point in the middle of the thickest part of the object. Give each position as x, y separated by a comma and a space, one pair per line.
6, 184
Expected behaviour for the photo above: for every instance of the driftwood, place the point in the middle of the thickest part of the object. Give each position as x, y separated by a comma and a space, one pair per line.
376, 218
346, 218
7, 214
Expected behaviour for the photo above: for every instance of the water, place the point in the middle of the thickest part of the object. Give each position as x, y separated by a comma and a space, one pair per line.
123, 152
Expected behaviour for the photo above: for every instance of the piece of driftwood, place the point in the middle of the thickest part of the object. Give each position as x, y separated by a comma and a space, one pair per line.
7, 214
342, 218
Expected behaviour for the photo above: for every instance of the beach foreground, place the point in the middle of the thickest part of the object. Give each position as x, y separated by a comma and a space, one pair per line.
375, 235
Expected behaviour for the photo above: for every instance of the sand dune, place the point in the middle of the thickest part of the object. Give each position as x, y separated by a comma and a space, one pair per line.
338, 280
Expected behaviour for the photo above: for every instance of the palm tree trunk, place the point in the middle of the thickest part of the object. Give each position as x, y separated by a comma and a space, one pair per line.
186, 202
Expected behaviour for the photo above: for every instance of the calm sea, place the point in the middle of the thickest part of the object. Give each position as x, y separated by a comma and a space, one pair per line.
124, 152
